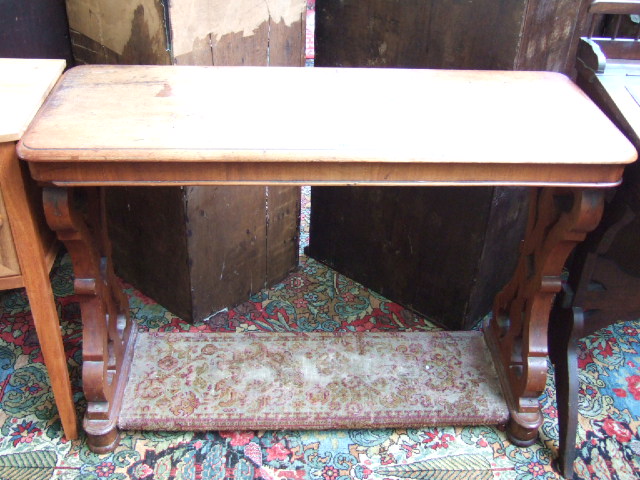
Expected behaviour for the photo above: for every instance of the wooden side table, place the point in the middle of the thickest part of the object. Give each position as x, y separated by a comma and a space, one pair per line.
154, 125
27, 249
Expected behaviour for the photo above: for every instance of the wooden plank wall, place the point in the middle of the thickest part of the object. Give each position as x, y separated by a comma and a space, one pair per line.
550, 34
444, 252
418, 33
118, 31
255, 228
200, 249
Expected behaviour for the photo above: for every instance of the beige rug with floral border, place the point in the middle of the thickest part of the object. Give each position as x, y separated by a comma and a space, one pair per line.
316, 381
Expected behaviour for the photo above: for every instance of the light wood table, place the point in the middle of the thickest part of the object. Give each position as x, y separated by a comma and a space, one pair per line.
146, 126
26, 251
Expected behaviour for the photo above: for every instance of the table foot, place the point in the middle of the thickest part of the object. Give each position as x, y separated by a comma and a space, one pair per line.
522, 428
108, 334
559, 219
102, 437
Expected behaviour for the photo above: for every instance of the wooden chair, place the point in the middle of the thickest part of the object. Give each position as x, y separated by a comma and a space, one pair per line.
604, 281
27, 246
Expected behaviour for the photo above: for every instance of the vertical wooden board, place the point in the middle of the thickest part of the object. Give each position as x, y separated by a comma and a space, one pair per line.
219, 32
497, 262
283, 214
147, 228
354, 231
376, 33
244, 32
476, 34
550, 34
418, 33
202, 32
227, 245
287, 43
235, 49
404, 247
416, 246
231, 49
119, 31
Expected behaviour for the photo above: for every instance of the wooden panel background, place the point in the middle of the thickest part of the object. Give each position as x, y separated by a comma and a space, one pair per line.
177, 257
119, 31
148, 231
446, 252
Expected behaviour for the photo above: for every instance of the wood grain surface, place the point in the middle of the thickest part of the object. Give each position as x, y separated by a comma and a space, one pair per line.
192, 114
24, 84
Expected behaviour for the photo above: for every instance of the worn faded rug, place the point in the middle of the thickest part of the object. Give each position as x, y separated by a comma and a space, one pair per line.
311, 381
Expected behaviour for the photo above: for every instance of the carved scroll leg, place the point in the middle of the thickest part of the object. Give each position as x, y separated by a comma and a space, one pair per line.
108, 334
517, 335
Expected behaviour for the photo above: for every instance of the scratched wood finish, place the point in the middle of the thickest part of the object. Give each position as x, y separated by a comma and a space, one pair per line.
565, 331
153, 116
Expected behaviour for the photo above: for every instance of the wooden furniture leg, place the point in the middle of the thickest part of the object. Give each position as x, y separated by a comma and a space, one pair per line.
35, 275
108, 334
568, 327
559, 219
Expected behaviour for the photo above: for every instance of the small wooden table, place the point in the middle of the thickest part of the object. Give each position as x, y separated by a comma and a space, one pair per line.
146, 126
24, 84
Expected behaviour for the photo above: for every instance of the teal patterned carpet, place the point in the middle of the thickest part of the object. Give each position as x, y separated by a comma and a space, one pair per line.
312, 299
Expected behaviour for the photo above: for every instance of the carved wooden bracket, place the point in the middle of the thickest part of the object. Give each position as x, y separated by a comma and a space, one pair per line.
558, 220
107, 329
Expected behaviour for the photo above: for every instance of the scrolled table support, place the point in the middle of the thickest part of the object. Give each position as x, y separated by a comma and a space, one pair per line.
108, 334
559, 219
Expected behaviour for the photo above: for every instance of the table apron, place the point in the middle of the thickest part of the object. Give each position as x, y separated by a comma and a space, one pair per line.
132, 173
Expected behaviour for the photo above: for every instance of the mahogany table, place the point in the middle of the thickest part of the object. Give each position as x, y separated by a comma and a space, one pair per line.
144, 126
27, 246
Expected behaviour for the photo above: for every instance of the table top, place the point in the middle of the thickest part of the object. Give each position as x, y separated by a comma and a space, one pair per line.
24, 84
209, 125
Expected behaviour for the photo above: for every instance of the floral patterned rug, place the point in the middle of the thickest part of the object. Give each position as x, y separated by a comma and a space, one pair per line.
312, 299
311, 381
